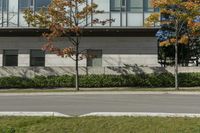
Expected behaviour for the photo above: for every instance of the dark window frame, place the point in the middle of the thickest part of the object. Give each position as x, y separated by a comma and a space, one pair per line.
93, 50
31, 58
5, 56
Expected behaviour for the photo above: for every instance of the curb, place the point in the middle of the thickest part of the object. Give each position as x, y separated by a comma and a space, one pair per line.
42, 114
101, 93
102, 114
138, 114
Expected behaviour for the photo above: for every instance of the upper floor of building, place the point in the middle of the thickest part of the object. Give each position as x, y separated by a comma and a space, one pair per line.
126, 13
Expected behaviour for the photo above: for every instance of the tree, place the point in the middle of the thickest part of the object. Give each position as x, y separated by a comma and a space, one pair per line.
65, 18
179, 25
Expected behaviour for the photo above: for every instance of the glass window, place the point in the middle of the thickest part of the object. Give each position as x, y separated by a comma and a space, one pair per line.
1, 13
5, 5
10, 58
135, 5
38, 3
1, 5
123, 5
13, 13
123, 2
95, 58
148, 6
26, 3
42, 3
118, 5
129, 5
115, 5
4, 8
37, 58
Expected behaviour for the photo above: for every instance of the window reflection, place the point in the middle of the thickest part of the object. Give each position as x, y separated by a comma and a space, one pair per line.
125, 12
148, 6
42, 3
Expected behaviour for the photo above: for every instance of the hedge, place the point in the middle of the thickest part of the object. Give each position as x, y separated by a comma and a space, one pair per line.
142, 80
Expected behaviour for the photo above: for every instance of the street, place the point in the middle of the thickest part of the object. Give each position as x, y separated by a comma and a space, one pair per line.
82, 104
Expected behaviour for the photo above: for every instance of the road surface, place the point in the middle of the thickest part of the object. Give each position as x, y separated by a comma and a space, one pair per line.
82, 104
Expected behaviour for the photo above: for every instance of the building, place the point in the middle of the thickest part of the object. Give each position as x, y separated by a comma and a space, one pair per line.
123, 42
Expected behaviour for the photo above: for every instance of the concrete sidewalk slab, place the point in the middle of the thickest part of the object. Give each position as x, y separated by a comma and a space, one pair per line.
103, 93
42, 114
101, 114
141, 114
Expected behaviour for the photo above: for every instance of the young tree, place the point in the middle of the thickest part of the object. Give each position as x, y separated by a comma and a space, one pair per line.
178, 24
65, 18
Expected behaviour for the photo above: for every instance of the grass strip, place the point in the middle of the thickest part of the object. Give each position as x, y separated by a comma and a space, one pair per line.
99, 125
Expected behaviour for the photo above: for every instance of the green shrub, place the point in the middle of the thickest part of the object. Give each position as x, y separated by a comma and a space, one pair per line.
189, 79
140, 80
15, 82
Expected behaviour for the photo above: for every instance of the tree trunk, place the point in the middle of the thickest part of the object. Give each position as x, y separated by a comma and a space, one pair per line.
77, 71
176, 59
77, 47
176, 67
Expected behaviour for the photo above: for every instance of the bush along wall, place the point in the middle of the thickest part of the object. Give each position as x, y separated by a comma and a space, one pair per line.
142, 80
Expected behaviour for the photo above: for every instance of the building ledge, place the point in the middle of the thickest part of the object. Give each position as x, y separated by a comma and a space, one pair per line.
94, 31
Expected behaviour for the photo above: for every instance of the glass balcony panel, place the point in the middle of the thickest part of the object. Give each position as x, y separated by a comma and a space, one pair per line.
103, 5
116, 17
1, 13
101, 17
123, 19
4, 14
13, 13
23, 5
135, 19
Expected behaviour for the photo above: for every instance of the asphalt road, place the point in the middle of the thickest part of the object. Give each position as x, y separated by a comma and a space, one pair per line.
82, 104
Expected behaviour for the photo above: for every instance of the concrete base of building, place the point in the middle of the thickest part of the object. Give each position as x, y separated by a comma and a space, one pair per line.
31, 72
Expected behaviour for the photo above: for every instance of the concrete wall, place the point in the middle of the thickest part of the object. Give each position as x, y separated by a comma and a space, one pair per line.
109, 45
23, 60
130, 59
117, 51
54, 60
49, 71
1, 59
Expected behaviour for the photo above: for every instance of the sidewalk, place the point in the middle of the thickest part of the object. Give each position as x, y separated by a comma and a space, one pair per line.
102, 93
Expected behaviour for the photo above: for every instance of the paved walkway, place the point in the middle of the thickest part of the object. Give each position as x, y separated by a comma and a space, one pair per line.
101, 93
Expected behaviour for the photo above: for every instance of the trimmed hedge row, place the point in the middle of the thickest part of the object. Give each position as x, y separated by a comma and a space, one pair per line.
143, 80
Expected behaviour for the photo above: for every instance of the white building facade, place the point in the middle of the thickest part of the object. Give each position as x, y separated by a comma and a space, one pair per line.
123, 42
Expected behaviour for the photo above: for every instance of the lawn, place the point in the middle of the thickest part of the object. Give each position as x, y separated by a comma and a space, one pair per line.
99, 125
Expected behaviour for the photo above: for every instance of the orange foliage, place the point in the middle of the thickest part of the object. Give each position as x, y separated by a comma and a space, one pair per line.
168, 42
184, 40
186, 11
64, 18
